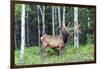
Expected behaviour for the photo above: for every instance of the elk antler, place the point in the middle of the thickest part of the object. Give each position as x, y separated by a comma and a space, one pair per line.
68, 24
78, 27
69, 28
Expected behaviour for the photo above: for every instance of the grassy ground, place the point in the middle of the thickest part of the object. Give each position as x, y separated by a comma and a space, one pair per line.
81, 54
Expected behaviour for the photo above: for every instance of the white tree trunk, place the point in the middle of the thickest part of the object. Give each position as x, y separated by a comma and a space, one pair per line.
88, 18
53, 25
55, 19
76, 33
59, 18
88, 24
38, 25
63, 15
27, 30
43, 18
22, 33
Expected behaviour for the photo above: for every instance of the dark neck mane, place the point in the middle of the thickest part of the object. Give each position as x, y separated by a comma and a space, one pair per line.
65, 36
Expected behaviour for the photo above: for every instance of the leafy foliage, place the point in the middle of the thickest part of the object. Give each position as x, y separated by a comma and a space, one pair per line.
87, 32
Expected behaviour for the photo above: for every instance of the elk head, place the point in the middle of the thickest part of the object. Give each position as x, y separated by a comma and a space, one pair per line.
64, 29
69, 30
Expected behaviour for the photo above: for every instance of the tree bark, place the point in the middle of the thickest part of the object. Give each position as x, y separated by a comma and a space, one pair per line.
59, 18
76, 32
88, 24
43, 17
53, 25
63, 15
27, 30
38, 25
22, 34
55, 19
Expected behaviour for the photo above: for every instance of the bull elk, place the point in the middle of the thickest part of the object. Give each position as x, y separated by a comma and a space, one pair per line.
57, 41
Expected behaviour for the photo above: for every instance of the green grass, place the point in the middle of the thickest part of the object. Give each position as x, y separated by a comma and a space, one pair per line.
81, 54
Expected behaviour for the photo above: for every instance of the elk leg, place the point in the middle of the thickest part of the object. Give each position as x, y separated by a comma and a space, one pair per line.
62, 51
62, 54
42, 54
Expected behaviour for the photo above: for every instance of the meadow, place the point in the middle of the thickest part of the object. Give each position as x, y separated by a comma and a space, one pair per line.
32, 55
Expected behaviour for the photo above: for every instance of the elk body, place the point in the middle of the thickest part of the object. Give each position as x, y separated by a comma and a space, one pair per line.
57, 41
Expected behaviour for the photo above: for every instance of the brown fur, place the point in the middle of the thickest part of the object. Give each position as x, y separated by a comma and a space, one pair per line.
52, 41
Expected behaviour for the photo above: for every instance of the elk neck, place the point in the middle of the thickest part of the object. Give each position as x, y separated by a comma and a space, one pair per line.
65, 36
